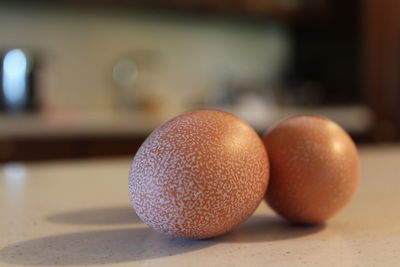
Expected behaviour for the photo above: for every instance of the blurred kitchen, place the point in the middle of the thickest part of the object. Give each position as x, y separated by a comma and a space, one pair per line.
92, 78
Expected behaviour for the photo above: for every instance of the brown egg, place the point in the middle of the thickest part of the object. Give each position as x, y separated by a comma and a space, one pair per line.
315, 168
199, 175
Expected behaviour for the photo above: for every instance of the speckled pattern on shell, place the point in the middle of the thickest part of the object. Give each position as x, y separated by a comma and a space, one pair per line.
315, 168
199, 175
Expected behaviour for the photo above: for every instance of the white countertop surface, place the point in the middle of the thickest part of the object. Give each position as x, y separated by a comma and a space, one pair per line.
77, 213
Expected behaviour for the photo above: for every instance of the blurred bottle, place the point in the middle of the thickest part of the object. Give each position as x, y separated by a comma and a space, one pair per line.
17, 92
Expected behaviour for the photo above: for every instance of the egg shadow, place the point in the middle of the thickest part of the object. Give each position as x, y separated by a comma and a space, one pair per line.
268, 228
97, 216
98, 247
134, 244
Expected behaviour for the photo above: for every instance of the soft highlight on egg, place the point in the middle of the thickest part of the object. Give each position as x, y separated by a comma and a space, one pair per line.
314, 167
199, 175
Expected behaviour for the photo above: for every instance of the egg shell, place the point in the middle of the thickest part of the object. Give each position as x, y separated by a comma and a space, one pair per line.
314, 168
199, 175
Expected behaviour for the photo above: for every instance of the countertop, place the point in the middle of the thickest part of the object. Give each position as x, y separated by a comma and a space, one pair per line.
77, 213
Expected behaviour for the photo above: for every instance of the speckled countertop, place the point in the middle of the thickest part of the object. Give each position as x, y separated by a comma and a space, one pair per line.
77, 213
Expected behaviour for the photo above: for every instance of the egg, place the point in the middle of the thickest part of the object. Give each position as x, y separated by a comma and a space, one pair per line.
314, 168
199, 175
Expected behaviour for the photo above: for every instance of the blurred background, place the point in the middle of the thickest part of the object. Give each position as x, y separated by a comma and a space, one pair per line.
92, 78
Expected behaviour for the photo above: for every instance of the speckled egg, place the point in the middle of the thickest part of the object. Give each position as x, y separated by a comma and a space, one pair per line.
199, 175
315, 168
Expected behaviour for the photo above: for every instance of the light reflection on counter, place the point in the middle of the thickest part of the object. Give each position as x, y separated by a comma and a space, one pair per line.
15, 175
